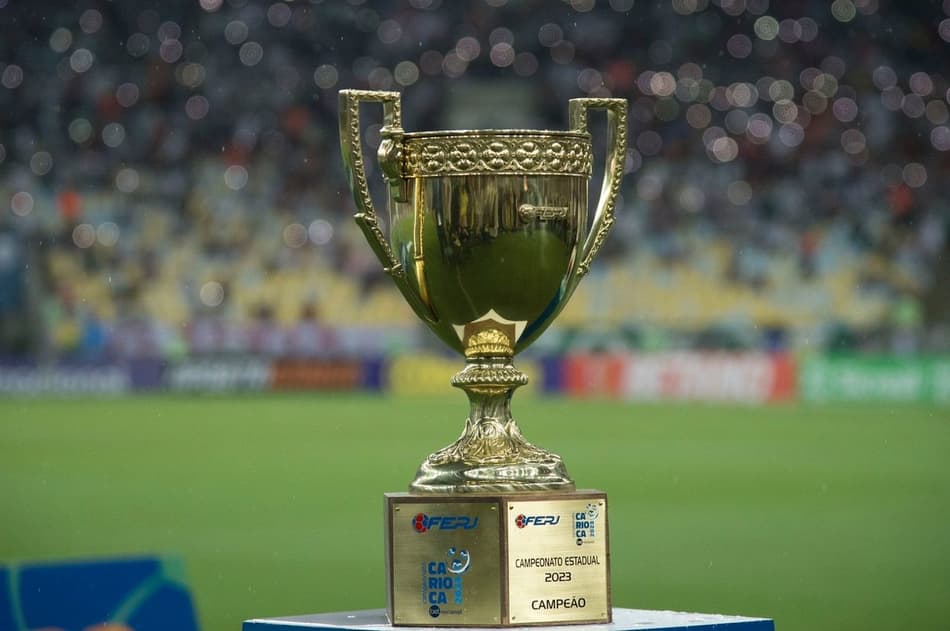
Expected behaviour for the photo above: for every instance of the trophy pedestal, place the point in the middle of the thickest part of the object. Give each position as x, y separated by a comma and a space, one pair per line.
497, 560
623, 620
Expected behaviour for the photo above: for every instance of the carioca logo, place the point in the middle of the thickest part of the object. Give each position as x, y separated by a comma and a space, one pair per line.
536, 520
423, 523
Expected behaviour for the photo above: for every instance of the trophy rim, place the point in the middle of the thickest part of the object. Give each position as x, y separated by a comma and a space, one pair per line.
476, 133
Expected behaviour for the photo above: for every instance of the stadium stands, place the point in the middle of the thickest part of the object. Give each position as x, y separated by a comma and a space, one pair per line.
172, 179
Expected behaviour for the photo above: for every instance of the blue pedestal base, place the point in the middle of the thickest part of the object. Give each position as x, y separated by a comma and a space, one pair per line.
624, 620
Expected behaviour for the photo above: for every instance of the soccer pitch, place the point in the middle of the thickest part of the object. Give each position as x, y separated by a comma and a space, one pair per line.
833, 517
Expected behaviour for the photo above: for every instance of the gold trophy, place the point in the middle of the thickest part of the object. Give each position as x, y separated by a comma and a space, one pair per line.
489, 237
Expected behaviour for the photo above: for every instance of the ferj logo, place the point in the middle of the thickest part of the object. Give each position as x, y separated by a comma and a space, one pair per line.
536, 520
424, 523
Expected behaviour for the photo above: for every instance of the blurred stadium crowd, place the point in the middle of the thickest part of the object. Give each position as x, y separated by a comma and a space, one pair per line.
171, 180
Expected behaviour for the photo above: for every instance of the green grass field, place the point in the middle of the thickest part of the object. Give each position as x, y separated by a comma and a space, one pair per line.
821, 517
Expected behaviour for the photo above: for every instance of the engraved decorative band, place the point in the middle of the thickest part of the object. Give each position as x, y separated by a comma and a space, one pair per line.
529, 212
497, 154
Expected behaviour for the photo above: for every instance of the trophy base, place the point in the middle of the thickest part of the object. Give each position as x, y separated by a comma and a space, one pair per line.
623, 620
497, 560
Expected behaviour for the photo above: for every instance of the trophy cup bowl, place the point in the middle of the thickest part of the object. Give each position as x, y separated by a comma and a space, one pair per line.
489, 237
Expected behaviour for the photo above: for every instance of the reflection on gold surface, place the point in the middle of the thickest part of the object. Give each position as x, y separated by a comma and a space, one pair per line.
487, 222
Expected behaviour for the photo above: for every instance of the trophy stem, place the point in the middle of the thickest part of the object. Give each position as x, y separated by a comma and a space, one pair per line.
491, 455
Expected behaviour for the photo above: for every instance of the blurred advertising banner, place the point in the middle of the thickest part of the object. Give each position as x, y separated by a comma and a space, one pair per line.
745, 378
30, 379
219, 375
912, 380
258, 374
432, 375
328, 374
136, 594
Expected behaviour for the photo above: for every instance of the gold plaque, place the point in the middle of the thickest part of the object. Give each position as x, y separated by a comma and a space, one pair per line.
558, 568
489, 236
444, 561
497, 560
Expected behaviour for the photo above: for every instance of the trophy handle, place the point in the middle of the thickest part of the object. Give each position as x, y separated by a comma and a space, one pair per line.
613, 170
390, 151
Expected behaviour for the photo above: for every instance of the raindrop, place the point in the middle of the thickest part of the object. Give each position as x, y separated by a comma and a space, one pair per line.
380, 79
235, 32
406, 73
235, 177
759, 128
809, 29
21, 204
815, 102
937, 112
170, 50
884, 77
127, 94
724, 149
921, 83
913, 106
766, 28
501, 35
662, 84
698, 116
468, 48
892, 98
852, 141
944, 30
197, 107
90, 21
325, 76
251, 53
80, 130
550, 35
113, 135
789, 31
41, 162
84, 235
389, 31
211, 293
845, 109
785, 111
739, 46
127, 180
61, 40
843, 10
12, 76
940, 138
320, 231
81, 60
295, 235
279, 14
107, 234
791, 135
137, 44
914, 175
502, 54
